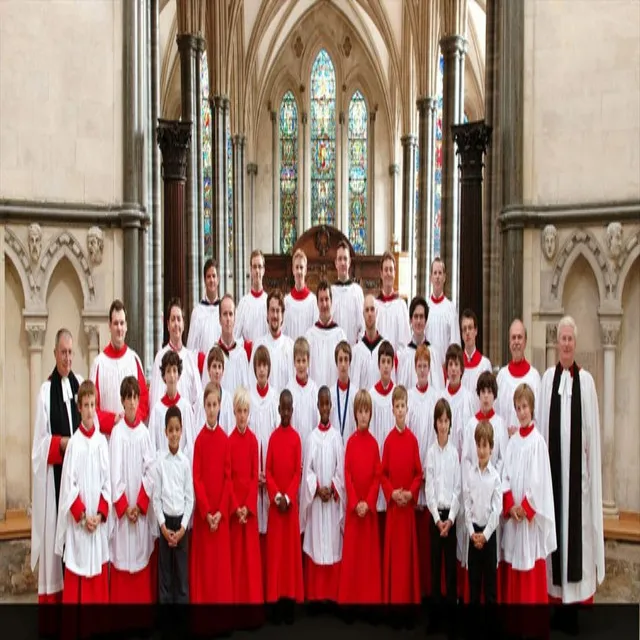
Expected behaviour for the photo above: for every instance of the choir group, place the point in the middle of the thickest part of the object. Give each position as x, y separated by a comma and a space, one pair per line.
323, 447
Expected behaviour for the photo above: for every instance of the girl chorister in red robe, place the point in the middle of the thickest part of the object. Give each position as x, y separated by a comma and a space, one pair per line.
210, 571
283, 471
401, 481
361, 575
245, 540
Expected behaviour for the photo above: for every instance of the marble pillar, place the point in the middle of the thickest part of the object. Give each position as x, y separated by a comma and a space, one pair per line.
609, 332
275, 184
174, 138
252, 172
304, 221
409, 143
238, 147
200, 47
371, 181
551, 344
394, 171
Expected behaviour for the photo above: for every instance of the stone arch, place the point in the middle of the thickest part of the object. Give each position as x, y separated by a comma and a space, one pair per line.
20, 259
66, 245
631, 251
581, 242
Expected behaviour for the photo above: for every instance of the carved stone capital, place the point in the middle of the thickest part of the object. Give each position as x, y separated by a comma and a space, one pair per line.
36, 330
252, 169
453, 46
305, 118
609, 333
472, 140
394, 169
174, 139
409, 140
552, 333
92, 332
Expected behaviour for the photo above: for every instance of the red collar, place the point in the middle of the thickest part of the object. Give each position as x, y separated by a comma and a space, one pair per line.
451, 391
381, 390
168, 402
176, 349
422, 389
343, 386
87, 432
226, 349
330, 325
519, 369
111, 352
525, 431
276, 336
437, 300
257, 294
324, 427
390, 298
131, 425
302, 384
300, 295
262, 392
485, 416
474, 361
242, 433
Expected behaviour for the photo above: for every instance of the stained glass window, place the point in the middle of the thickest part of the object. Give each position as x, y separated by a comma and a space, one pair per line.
288, 172
323, 140
358, 117
205, 114
437, 183
230, 192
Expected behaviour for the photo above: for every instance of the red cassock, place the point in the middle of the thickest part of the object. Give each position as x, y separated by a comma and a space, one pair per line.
284, 553
361, 579
401, 469
245, 539
210, 570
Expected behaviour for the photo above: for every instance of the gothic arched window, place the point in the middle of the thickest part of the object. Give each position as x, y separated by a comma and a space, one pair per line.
323, 140
358, 155
205, 114
288, 123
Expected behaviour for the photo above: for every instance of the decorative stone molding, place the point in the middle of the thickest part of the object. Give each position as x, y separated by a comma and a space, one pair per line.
95, 245
35, 242
347, 46
614, 239
36, 330
552, 333
549, 242
298, 47
22, 263
174, 140
609, 333
92, 331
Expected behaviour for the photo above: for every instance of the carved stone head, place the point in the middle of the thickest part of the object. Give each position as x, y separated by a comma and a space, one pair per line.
35, 242
549, 241
95, 244
614, 239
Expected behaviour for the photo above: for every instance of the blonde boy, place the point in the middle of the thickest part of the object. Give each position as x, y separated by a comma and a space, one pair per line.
301, 307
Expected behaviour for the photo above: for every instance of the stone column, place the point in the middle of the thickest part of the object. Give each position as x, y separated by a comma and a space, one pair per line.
552, 344
371, 181
609, 331
36, 328
471, 140
305, 218
275, 184
342, 175
174, 138
219, 224
454, 48
238, 146
424, 217
252, 171
92, 331
408, 190
200, 47
394, 170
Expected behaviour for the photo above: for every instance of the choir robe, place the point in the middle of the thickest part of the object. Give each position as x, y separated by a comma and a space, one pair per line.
245, 540
189, 384
132, 457
281, 354
593, 565
108, 371
322, 522
251, 316
360, 575
226, 419
443, 328
473, 367
210, 574
406, 375
305, 414
263, 419
526, 480
236, 366
204, 326
323, 340
284, 553
300, 313
45, 455
157, 430
382, 422
508, 379
401, 469
342, 415
393, 319
348, 304
364, 370
85, 488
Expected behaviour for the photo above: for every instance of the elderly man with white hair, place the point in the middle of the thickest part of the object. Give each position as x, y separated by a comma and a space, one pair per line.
569, 421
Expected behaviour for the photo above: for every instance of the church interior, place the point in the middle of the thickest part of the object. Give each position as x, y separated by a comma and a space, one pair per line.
140, 137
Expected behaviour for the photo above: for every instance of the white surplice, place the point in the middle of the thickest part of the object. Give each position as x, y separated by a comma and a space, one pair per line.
204, 326
443, 328
236, 367
342, 415
527, 474
473, 367
132, 459
323, 522
251, 316
393, 319
157, 430
281, 355
406, 375
44, 511
305, 408
507, 384
382, 423
365, 371
85, 474
500, 442
593, 564
461, 403
300, 313
323, 340
263, 420
348, 306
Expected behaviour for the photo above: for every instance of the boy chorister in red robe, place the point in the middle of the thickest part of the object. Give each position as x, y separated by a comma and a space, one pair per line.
215, 367
85, 498
401, 481
322, 501
245, 540
529, 532
284, 553
132, 541
360, 576
210, 570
